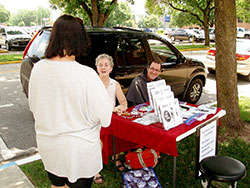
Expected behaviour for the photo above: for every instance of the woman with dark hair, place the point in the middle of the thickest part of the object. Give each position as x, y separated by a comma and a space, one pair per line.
70, 104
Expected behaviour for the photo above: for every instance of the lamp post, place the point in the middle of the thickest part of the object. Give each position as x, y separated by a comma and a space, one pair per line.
45, 20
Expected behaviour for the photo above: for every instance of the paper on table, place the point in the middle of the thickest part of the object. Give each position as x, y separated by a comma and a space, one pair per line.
147, 119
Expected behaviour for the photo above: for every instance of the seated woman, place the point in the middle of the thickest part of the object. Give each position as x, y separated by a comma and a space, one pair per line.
104, 64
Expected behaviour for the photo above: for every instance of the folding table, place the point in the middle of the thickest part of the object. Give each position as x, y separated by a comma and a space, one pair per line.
126, 134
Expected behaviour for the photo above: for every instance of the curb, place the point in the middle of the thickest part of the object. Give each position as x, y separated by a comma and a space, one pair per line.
194, 49
4, 51
10, 62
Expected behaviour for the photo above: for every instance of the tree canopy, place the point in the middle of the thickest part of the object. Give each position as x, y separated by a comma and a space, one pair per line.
243, 10
97, 11
202, 10
4, 14
150, 21
181, 19
121, 16
26, 17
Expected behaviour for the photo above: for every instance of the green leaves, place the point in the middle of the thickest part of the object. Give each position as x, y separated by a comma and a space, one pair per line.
243, 10
4, 14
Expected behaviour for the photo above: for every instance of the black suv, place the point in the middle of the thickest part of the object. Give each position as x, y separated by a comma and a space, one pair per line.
131, 50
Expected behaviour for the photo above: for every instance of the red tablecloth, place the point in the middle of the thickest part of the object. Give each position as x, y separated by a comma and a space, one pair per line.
129, 135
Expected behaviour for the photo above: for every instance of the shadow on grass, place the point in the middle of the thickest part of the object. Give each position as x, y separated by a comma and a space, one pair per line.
232, 147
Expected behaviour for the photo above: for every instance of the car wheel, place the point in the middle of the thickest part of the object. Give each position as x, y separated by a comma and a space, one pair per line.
248, 77
8, 47
246, 37
194, 91
173, 38
211, 71
25, 71
190, 39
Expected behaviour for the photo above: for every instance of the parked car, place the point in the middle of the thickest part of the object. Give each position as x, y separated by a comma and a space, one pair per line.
242, 57
131, 50
148, 30
198, 35
212, 34
168, 31
13, 37
243, 33
180, 34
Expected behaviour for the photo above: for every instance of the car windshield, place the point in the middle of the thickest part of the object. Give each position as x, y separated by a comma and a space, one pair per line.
15, 31
38, 46
211, 30
161, 52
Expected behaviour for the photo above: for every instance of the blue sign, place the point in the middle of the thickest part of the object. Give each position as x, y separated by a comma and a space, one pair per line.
167, 19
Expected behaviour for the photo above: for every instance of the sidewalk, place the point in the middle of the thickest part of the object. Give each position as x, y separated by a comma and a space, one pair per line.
11, 176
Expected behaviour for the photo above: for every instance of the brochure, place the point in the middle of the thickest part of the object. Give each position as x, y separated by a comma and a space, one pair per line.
153, 85
165, 106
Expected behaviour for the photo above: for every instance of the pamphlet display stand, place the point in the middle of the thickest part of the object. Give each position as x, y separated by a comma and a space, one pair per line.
165, 106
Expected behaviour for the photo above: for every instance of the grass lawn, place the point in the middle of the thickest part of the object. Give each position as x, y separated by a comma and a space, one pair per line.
15, 57
228, 146
232, 147
10, 57
245, 109
193, 47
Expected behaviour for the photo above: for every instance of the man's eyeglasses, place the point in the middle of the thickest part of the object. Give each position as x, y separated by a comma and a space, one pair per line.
153, 69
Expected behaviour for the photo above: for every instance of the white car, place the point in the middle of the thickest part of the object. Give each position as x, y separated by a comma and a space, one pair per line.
242, 57
13, 37
212, 34
243, 33
197, 34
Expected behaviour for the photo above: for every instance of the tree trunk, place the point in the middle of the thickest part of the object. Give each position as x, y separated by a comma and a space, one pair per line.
226, 75
206, 29
95, 13
98, 18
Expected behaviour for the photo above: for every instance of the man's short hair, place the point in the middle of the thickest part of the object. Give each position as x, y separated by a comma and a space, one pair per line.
154, 62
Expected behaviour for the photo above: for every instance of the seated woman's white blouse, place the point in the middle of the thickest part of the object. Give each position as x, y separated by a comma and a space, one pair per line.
69, 103
111, 90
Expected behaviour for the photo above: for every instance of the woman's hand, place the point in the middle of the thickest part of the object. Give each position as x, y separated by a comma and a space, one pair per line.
119, 109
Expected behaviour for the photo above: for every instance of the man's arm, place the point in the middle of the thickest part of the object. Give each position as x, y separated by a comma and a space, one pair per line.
136, 92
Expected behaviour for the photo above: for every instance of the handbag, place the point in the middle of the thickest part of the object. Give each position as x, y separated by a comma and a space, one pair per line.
142, 158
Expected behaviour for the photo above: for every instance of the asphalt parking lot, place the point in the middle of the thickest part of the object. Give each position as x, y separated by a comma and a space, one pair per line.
15, 51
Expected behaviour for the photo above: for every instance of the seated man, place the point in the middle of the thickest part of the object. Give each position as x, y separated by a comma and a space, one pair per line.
137, 92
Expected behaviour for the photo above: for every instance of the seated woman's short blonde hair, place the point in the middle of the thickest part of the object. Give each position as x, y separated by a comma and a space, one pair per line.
104, 56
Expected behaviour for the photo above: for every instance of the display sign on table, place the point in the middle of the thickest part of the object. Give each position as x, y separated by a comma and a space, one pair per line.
165, 106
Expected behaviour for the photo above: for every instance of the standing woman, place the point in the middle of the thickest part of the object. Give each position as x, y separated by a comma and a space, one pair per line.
69, 104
